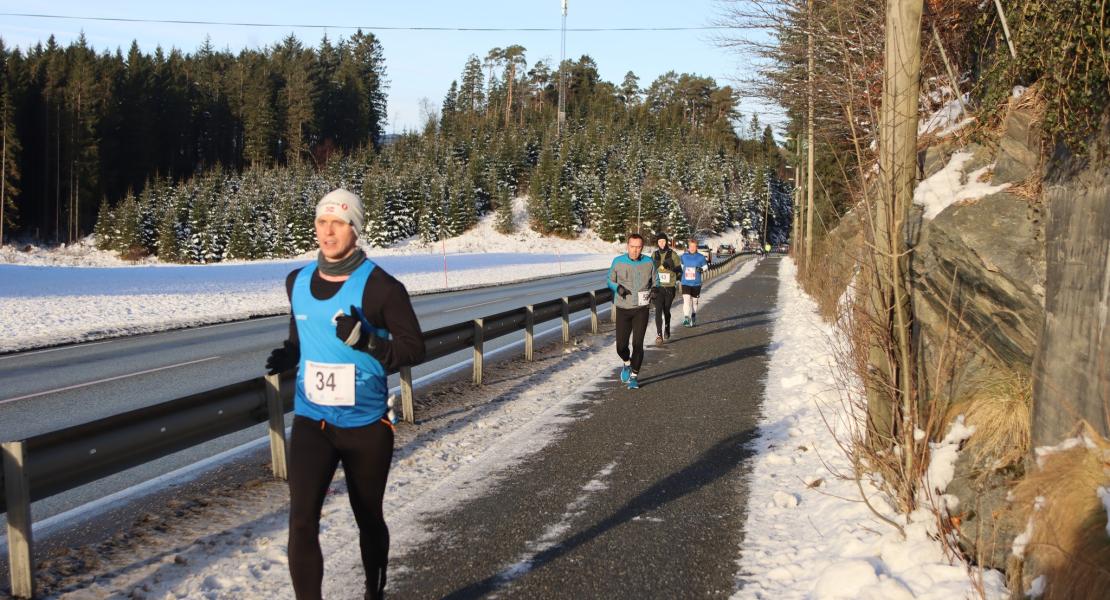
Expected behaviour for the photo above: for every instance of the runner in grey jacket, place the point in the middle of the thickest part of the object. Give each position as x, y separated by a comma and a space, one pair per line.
632, 279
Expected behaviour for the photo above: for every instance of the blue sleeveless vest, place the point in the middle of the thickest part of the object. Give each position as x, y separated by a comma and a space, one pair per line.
319, 344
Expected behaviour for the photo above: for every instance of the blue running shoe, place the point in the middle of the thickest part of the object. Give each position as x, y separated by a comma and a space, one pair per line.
632, 385
625, 373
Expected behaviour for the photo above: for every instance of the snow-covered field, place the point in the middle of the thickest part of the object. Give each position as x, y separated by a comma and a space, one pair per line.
808, 535
78, 293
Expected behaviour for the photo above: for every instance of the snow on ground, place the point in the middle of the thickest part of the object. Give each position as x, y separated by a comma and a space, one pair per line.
950, 185
431, 474
945, 120
807, 534
485, 238
78, 293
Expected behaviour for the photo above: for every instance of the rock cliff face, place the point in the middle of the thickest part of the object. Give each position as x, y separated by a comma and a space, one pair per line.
1072, 368
979, 296
978, 273
1017, 281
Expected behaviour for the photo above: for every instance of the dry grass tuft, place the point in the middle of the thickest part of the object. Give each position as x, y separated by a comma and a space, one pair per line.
1069, 544
1000, 408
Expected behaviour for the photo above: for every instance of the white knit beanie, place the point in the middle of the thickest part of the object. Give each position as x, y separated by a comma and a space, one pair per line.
341, 203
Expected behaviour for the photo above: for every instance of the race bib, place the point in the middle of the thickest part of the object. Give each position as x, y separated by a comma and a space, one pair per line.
664, 277
691, 273
644, 298
329, 384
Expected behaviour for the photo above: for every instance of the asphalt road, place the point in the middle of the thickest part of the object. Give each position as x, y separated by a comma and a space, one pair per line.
57, 387
642, 497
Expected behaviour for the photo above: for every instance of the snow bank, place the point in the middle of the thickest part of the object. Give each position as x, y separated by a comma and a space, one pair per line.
79, 293
945, 120
42, 306
950, 185
807, 534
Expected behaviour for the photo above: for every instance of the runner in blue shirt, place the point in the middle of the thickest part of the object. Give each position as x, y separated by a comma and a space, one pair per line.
693, 265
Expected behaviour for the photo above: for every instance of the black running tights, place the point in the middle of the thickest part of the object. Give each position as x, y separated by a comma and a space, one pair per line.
664, 297
632, 322
315, 451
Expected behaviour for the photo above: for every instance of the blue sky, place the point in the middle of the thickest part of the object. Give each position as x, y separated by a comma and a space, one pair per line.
419, 64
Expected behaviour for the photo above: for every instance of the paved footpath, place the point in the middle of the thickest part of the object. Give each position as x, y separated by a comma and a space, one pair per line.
642, 497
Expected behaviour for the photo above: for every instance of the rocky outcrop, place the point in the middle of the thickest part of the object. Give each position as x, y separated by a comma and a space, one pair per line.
1072, 370
977, 281
979, 295
1019, 150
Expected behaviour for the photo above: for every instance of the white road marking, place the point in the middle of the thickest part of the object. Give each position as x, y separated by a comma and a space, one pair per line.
69, 347
81, 385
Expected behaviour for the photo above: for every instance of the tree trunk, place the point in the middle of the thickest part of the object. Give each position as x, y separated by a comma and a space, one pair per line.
509, 104
809, 133
3, 176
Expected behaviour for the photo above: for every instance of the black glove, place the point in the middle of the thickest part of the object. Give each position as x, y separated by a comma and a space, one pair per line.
622, 291
654, 292
283, 359
348, 328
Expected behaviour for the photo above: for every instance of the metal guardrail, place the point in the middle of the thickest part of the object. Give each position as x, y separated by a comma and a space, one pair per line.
50, 463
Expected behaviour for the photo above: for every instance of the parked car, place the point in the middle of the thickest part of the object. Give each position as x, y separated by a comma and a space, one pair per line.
703, 249
725, 250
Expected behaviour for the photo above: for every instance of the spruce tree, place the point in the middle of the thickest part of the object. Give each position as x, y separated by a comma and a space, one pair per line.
505, 223
167, 244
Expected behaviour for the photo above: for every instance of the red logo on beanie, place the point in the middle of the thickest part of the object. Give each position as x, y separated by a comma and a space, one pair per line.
343, 206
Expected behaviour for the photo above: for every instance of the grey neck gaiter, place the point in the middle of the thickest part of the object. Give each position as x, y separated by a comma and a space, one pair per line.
342, 267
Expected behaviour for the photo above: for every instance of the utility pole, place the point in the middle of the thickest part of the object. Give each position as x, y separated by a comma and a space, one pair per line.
562, 72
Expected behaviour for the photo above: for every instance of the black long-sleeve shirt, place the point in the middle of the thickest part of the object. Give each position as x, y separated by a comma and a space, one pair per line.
386, 304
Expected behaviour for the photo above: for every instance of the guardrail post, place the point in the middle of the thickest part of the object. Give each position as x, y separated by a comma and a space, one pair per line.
18, 496
566, 320
408, 415
277, 426
479, 331
529, 331
593, 311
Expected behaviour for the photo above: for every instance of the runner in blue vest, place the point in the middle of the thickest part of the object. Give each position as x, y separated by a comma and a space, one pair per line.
352, 323
693, 265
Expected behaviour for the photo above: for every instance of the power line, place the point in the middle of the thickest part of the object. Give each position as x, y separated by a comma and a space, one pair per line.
366, 27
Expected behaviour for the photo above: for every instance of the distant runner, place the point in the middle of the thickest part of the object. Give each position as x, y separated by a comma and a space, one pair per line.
667, 267
351, 324
632, 279
693, 265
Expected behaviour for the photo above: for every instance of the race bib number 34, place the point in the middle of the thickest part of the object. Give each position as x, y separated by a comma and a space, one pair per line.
644, 298
329, 384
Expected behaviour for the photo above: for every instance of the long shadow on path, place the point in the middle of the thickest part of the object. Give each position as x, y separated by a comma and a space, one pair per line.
711, 465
